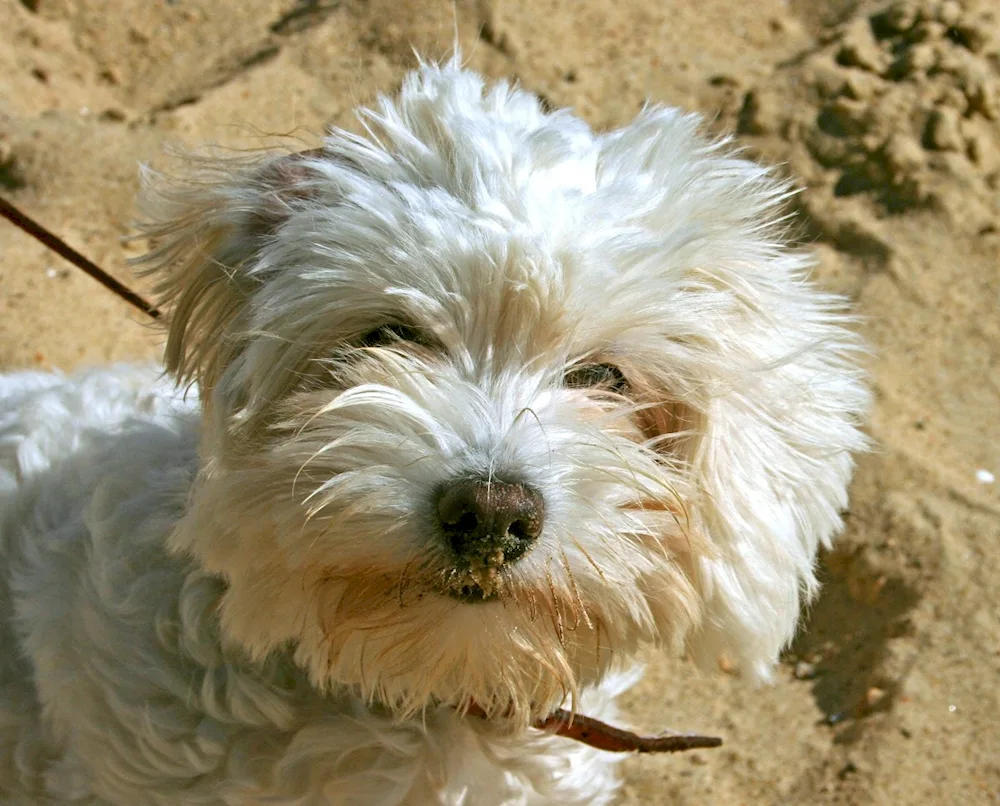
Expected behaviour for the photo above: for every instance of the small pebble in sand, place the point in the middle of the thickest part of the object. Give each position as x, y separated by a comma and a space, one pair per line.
983, 476
944, 130
874, 696
900, 17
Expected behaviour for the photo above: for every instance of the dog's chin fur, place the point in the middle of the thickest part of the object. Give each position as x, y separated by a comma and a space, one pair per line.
243, 595
324, 534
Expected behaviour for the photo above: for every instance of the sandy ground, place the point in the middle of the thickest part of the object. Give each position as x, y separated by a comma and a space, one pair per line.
890, 118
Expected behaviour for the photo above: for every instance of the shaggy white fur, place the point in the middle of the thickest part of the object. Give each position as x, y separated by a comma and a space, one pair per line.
260, 598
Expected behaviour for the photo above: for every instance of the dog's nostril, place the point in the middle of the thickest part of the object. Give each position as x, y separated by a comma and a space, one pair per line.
522, 530
480, 517
467, 523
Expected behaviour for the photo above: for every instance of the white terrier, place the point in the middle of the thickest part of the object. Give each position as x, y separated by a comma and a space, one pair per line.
488, 401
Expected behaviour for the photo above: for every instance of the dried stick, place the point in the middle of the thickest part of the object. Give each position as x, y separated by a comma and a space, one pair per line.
601, 735
64, 250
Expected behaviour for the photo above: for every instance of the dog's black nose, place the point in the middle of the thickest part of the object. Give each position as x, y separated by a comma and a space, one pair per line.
493, 521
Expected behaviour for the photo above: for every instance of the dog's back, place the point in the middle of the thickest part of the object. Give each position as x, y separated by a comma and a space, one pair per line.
67, 448
113, 677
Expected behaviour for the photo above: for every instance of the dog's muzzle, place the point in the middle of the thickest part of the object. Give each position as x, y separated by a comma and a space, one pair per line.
488, 524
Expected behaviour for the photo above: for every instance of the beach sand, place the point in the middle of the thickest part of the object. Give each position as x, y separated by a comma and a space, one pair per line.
887, 115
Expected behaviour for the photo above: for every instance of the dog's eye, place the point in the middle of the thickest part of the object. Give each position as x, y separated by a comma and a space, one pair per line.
388, 335
589, 376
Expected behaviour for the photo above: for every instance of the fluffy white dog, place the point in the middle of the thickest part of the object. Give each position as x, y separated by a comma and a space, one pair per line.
488, 401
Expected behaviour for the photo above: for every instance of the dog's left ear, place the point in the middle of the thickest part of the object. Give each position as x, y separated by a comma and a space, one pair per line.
206, 232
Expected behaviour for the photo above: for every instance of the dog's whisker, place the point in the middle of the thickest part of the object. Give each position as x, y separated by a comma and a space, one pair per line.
553, 605
579, 606
578, 545
403, 580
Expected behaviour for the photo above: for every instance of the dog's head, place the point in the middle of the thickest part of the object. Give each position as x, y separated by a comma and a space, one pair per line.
492, 400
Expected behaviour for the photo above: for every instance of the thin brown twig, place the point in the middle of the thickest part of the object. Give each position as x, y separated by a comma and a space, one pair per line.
67, 252
595, 733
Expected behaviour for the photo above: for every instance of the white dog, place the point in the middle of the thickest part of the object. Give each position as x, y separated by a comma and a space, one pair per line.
488, 401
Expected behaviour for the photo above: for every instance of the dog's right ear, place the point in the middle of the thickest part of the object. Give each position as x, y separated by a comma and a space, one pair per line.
205, 232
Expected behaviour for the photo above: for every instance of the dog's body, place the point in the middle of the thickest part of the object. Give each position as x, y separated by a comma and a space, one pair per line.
142, 704
487, 402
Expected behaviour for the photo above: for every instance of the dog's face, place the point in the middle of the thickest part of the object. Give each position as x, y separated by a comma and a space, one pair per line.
465, 387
